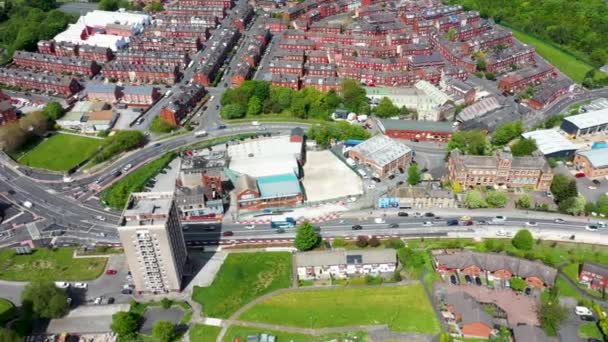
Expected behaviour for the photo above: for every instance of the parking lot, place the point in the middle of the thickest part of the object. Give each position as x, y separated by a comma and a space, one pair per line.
586, 187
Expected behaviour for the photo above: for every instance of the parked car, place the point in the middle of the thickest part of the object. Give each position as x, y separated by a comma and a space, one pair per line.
111, 300
427, 224
357, 227
127, 167
81, 285
391, 177
399, 183
582, 311
62, 284
98, 300
111, 272
403, 214
452, 222
393, 225
376, 179
228, 233
465, 218
579, 175
429, 215
126, 291
596, 182
588, 318
467, 223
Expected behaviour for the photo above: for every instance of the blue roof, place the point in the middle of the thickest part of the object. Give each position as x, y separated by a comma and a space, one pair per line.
597, 157
279, 185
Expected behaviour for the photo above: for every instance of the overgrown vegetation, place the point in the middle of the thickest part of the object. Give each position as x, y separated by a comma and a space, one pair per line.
159, 125
324, 134
116, 196
120, 142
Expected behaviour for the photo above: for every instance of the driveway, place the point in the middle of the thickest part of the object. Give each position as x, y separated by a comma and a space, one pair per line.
568, 331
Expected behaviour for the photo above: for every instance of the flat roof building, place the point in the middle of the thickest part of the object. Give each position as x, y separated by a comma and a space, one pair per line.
266, 156
153, 242
594, 163
551, 143
586, 124
381, 153
417, 130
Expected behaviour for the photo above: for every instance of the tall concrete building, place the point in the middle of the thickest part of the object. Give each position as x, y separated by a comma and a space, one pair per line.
153, 242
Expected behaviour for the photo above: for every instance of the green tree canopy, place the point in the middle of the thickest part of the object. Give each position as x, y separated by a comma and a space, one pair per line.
386, 108
159, 125
7, 335
126, 324
233, 111
474, 200
53, 111
413, 175
336, 130
524, 147
45, 299
523, 240
254, 106
306, 237
355, 99
506, 132
524, 201
155, 6
518, 284
472, 142
573, 205
163, 331
563, 187
496, 199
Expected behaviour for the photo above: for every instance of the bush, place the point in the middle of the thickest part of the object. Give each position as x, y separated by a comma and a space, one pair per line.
397, 276
233, 111
166, 303
474, 200
518, 284
122, 141
362, 241
394, 243
524, 201
496, 199
374, 242
159, 125
523, 240
371, 280
339, 242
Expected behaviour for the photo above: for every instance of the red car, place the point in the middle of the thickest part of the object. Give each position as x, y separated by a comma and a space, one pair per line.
227, 233
111, 272
467, 223
579, 175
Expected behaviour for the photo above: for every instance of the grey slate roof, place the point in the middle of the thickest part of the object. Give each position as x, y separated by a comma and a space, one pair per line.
468, 308
435, 126
494, 262
601, 270
339, 257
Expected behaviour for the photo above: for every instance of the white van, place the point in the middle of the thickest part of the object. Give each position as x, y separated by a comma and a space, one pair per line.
199, 134
28, 204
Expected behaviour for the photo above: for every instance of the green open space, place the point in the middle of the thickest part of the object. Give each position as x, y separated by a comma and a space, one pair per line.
60, 152
239, 332
117, 194
275, 117
564, 61
590, 330
7, 310
47, 264
402, 308
204, 333
241, 278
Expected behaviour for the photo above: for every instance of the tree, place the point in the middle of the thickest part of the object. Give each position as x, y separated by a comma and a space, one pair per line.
601, 206
35, 123
354, 96
12, 136
451, 34
474, 200
53, 111
524, 147
413, 174
573, 205
518, 284
254, 106
496, 199
490, 76
374, 242
386, 108
155, 6
126, 324
563, 187
108, 5
323, 135
159, 125
7, 335
163, 331
523, 240
473, 142
524, 201
481, 64
456, 188
306, 237
45, 5
445, 337
45, 299
232, 111
551, 315
506, 132
362, 241
166, 303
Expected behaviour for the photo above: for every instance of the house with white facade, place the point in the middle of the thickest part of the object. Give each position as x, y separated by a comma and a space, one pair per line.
343, 264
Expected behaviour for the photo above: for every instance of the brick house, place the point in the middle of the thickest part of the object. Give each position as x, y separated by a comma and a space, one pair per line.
56, 64
139, 95
520, 79
63, 86
172, 59
322, 83
183, 44
593, 275
495, 267
182, 102
140, 73
8, 112
382, 154
417, 130
240, 74
474, 322
104, 92
95, 53
46, 47
548, 92
592, 162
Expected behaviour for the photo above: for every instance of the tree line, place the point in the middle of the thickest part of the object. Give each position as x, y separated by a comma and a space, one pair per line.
476, 142
30, 127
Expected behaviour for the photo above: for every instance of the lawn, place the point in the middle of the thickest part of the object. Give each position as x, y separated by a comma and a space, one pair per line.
590, 330
7, 310
402, 308
46, 264
60, 152
243, 277
283, 117
567, 63
204, 333
241, 333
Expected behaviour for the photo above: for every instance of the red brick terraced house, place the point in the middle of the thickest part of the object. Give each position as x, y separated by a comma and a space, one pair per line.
139, 95
56, 64
495, 267
165, 44
548, 92
474, 322
196, 11
593, 275
530, 76
322, 83
417, 130
172, 59
500, 61
64, 86
207, 21
95, 53
140, 73
182, 102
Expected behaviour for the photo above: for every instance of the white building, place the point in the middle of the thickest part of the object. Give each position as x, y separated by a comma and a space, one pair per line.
343, 263
266, 156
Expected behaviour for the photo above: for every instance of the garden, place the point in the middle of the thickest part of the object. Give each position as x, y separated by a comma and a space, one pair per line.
242, 278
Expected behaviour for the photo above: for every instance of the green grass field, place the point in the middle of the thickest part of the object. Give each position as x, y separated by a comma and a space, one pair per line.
402, 308
204, 333
243, 277
567, 63
60, 152
44, 264
590, 330
7, 310
241, 333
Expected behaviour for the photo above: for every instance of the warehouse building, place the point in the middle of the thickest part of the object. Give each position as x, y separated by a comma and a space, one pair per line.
586, 124
551, 143
417, 130
594, 163
381, 153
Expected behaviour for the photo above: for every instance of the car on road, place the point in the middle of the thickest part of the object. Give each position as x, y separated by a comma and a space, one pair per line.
452, 222
62, 284
221, 126
127, 167
482, 222
100, 218
587, 318
98, 300
250, 226
427, 224
465, 218
126, 291
228, 233
111, 272
559, 220
391, 177
280, 231
582, 311
596, 182
376, 179
357, 227
467, 223
531, 224
592, 187
81, 285
393, 225
591, 228
429, 215
403, 214
379, 220
399, 183
111, 300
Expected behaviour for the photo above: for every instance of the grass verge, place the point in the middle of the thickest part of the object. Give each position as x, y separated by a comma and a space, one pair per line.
117, 194
60, 152
204, 333
241, 333
46, 264
7, 310
402, 308
243, 277
590, 330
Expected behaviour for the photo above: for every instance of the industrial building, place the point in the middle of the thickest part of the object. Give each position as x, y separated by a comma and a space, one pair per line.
594, 163
551, 143
153, 242
382, 154
586, 124
276, 191
417, 130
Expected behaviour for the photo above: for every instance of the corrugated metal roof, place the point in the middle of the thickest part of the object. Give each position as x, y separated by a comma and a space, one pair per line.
550, 141
597, 157
588, 120
279, 185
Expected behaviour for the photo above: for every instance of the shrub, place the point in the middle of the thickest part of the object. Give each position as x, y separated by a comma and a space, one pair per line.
394, 243
339, 242
166, 303
496, 199
374, 242
523, 240
362, 241
397, 276
518, 284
